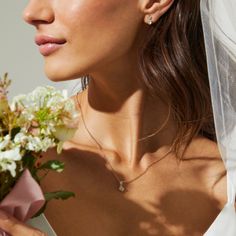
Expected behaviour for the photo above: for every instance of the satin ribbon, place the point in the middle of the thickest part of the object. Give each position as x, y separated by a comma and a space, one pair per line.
24, 200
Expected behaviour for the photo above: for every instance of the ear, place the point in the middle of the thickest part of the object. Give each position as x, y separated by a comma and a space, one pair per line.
154, 9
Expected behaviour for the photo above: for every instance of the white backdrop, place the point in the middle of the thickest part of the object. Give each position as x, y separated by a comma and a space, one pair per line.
19, 55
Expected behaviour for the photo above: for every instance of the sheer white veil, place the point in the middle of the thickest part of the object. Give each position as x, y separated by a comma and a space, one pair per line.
219, 25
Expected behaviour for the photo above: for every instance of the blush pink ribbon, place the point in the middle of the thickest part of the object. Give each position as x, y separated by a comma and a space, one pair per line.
24, 200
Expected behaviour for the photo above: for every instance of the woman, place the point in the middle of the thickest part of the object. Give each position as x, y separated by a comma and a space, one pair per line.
144, 159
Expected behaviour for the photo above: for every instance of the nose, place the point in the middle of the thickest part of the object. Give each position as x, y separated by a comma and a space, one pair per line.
38, 12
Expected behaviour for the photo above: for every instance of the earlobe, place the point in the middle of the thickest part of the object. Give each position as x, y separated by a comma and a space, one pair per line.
148, 19
154, 9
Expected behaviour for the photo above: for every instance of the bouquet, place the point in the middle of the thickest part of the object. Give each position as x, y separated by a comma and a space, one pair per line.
30, 125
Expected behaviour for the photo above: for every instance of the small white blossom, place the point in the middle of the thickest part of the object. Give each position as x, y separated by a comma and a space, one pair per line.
17, 101
20, 139
47, 143
36, 144
8, 160
33, 144
4, 142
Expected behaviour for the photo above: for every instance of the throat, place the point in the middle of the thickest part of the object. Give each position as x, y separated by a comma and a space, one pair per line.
139, 128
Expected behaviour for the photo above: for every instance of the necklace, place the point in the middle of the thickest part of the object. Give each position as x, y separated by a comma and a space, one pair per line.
122, 183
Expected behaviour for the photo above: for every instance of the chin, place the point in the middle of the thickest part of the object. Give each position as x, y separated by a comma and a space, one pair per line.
62, 73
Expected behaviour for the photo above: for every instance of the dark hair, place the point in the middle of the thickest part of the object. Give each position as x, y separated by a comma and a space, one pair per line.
173, 64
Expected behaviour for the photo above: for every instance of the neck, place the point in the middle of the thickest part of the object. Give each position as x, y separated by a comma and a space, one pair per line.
120, 113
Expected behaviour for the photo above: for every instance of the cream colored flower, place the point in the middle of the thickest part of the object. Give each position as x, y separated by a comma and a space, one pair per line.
4, 142
64, 133
18, 102
8, 160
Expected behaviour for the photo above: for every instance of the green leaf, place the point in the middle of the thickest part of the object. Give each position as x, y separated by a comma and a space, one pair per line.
63, 195
14, 132
53, 165
59, 195
29, 161
41, 211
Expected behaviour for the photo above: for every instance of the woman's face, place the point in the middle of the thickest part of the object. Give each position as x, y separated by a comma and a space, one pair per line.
79, 37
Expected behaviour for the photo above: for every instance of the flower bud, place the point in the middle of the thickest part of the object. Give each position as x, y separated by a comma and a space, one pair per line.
64, 133
4, 106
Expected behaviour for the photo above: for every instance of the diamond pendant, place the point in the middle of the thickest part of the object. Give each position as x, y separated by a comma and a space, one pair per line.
121, 187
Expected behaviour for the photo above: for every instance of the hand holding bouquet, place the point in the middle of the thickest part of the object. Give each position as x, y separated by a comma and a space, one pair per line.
30, 125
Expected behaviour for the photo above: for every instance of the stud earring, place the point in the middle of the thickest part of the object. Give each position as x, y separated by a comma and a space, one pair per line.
149, 20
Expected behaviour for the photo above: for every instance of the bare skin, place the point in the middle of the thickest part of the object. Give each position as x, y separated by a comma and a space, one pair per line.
170, 199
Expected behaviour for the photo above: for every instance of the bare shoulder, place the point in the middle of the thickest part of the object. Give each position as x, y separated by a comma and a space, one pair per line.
209, 167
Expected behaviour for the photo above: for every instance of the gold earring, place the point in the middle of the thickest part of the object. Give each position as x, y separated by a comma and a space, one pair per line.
149, 20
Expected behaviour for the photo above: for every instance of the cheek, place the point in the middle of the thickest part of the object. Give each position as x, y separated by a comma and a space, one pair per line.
95, 12
100, 26
97, 32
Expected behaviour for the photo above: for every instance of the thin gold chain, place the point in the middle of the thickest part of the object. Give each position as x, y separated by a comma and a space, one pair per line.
103, 154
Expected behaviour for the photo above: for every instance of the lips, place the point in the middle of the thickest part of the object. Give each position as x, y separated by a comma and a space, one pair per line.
48, 45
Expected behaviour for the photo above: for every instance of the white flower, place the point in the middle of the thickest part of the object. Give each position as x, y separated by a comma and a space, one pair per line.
33, 144
38, 144
46, 96
8, 160
4, 142
21, 139
10, 166
70, 107
63, 133
57, 99
56, 117
47, 143
17, 101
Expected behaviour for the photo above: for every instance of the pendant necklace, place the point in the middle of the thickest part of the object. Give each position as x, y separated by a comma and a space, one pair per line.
122, 184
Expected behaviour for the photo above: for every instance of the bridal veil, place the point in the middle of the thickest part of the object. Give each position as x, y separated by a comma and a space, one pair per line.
219, 25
